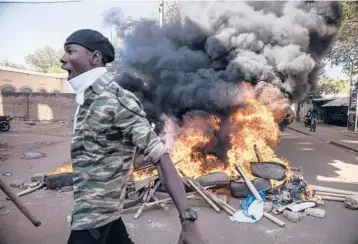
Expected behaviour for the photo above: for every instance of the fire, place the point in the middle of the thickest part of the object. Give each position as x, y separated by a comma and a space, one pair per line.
65, 168
255, 123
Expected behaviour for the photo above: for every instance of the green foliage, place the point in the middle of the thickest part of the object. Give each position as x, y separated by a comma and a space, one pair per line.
10, 64
344, 50
45, 59
328, 85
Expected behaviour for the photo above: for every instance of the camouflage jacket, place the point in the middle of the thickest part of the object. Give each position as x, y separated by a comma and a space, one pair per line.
110, 125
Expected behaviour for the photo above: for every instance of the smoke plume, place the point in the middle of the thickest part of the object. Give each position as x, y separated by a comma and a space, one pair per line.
200, 62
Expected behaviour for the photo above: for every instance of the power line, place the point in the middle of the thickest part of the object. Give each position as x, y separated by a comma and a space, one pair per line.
41, 2
65, 1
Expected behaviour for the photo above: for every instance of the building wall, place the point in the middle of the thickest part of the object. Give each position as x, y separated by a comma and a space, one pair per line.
34, 81
39, 106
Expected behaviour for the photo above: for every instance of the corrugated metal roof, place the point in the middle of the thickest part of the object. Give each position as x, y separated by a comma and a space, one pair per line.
29, 72
340, 102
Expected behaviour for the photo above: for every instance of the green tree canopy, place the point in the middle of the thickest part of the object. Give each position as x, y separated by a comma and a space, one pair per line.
344, 50
45, 59
327, 85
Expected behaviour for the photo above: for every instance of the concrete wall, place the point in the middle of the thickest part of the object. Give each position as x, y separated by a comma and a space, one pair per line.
35, 81
39, 106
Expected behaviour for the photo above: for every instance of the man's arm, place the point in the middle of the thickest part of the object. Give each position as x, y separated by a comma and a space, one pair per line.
130, 118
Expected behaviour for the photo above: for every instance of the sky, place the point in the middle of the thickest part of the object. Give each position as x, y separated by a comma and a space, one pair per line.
25, 27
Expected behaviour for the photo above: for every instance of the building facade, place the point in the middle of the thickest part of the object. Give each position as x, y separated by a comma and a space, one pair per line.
17, 80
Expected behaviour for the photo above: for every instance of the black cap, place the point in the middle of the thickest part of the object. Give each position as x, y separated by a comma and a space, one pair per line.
93, 40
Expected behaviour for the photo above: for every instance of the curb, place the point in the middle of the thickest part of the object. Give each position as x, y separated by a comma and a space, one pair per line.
342, 146
328, 142
299, 131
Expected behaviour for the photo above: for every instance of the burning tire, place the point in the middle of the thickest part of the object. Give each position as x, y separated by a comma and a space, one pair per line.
216, 180
269, 170
240, 189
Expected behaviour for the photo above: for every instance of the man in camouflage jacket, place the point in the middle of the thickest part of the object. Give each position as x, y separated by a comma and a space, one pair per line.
109, 125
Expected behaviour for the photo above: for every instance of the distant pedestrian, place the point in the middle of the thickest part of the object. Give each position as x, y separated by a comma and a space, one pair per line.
314, 119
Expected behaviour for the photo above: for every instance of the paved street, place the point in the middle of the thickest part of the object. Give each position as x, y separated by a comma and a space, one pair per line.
331, 134
323, 164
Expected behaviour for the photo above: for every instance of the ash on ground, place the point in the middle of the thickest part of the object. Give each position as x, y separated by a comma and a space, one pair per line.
291, 191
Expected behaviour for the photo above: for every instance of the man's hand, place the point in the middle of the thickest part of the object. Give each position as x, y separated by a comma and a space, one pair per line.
190, 233
168, 175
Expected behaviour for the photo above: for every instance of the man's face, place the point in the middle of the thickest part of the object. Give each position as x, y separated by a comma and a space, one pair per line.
76, 60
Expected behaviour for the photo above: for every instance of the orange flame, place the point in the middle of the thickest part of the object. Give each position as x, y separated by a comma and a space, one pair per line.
253, 123
65, 168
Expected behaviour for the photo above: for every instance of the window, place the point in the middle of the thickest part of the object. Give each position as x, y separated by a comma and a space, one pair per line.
6, 89
26, 90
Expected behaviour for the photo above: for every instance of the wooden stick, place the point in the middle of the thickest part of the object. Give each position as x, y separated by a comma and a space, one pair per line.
330, 194
18, 203
332, 190
339, 199
148, 205
258, 153
228, 208
257, 196
248, 182
164, 207
212, 204
31, 189
151, 166
150, 195
199, 189
274, 219
21, 193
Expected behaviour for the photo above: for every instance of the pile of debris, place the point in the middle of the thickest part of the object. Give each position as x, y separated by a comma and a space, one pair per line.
293, 197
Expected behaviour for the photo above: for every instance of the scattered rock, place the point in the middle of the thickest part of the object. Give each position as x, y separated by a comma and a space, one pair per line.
7, 174
292, 216
268, 170
4, 211
17, 183
351, 202
33, 155
268, 207
149, 221
39, 177
316, 212
67, 188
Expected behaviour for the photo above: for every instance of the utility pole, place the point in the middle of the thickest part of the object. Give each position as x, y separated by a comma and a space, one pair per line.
161, 13
352, 106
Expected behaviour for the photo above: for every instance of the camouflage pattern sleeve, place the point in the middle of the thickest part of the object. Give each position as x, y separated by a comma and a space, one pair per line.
131, 119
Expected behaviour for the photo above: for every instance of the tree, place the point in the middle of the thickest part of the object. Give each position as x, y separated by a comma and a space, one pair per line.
328, 85
45, 59
344, 50
10, 64
172, 13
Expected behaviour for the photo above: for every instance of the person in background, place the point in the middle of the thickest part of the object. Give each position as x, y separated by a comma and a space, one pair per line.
314, 118
110, 125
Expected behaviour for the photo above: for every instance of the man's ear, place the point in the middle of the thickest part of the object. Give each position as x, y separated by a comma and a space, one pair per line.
96, 58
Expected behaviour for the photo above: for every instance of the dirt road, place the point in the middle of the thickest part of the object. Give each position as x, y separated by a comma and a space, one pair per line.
155, 226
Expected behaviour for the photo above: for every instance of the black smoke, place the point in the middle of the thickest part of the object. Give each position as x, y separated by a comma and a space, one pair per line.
199, 63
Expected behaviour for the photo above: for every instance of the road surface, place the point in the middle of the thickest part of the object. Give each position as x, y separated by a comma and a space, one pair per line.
323, 164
